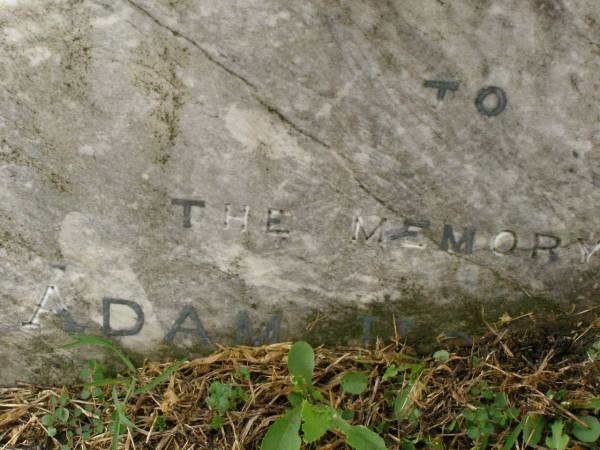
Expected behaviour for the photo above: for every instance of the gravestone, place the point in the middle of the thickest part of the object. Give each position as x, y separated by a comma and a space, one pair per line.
178, 174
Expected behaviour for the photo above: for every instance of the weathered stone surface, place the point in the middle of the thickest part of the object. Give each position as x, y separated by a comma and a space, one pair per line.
296, 129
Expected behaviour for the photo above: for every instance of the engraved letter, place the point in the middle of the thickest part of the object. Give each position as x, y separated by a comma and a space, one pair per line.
500, 101
403, 327
243, 220
274, 217
539, 237
504, 242
367, 326
586, 253
442, 87
466, 239
198, 329
52, 302
244, 333
359, 229
187, 209
410, 228
106, 327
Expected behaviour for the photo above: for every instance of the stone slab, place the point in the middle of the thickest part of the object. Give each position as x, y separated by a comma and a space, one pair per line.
177, 174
